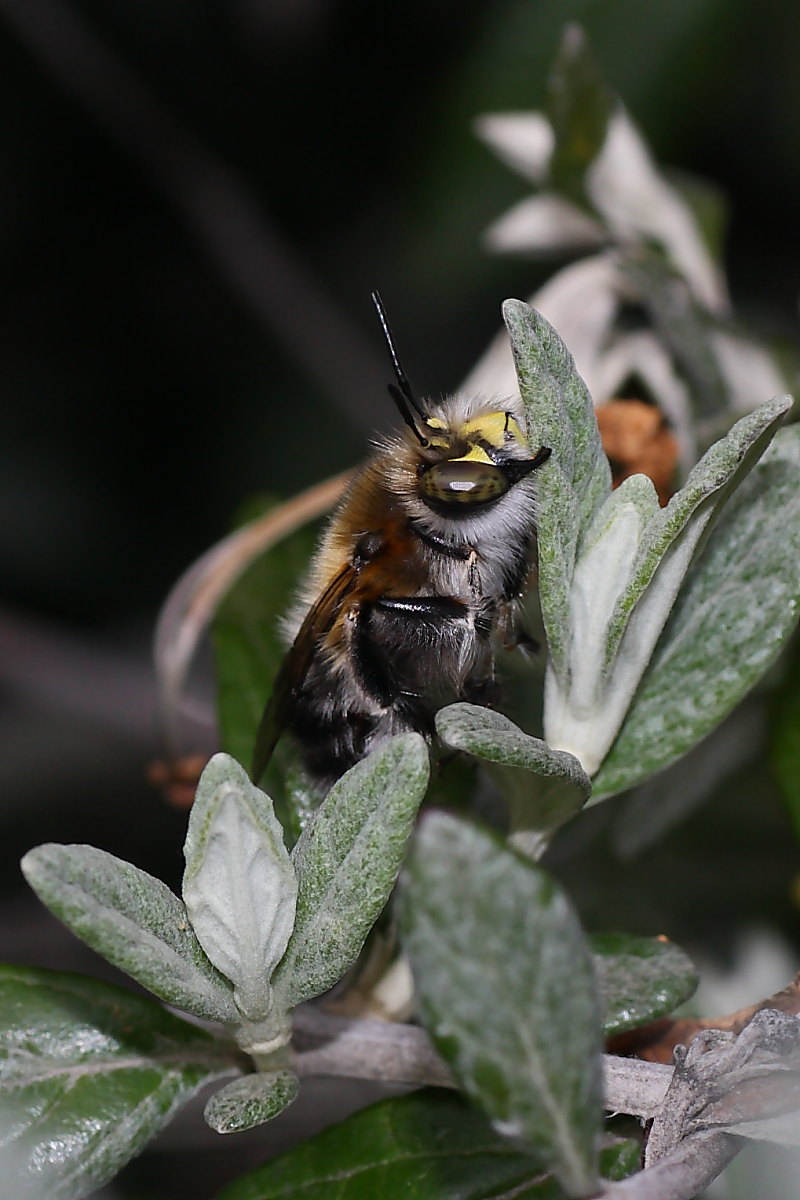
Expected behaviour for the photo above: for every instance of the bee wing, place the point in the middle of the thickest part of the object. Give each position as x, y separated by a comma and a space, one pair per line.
295, 666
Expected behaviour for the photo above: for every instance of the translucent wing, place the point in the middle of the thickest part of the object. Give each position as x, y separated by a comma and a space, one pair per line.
295, 666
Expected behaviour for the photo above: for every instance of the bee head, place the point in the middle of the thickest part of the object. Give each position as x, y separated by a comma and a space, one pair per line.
474, 461
468, 457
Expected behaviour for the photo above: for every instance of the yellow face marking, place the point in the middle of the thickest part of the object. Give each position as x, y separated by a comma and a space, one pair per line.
492, 428
475, 454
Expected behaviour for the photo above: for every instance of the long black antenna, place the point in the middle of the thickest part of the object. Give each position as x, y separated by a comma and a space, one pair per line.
403, 393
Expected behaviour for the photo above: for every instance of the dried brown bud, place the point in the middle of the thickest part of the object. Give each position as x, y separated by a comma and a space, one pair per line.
177, 779
638, 440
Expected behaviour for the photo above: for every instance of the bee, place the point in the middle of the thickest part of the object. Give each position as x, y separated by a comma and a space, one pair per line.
423, 561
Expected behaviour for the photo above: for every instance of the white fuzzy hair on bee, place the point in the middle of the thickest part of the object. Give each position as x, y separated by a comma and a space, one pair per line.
424, 561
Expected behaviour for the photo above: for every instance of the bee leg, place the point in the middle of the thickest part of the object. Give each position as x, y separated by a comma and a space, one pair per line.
514, 636
370, 670
473, 575
521, 640
419, 716
486, 692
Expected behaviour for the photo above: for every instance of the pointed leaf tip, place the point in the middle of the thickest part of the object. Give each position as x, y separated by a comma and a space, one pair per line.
738, 606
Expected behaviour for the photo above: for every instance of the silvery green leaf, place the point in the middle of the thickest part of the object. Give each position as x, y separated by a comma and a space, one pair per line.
544, 787
251, 1100
576, 481
639, 979
583, 716
89, 1073
506, 990
738, 606
678, 527
347, 860
134, 921
239, 885
631, 567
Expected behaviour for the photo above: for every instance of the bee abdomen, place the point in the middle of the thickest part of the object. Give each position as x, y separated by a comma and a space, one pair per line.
332, 734
393, 639
406, 656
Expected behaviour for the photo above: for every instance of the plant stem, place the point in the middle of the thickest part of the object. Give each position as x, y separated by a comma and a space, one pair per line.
681, 1175
393, 1053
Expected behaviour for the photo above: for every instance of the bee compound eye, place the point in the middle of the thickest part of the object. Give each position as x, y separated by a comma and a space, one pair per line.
463, 482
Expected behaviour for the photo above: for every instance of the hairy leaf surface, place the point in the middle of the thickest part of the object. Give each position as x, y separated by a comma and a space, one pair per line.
506, 990
88, 1074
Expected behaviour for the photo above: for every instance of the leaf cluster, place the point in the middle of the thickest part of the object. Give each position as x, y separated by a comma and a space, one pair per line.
258, 931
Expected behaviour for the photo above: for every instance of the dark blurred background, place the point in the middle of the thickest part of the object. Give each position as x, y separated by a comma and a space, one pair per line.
146, 392
196, 197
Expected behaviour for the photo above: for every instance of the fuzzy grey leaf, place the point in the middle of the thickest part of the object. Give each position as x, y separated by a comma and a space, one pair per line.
632, 566
251, 1100
239, 885
576, 480
506, 990
347, 860
738, 606
134, 921
544, 787
719, 472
